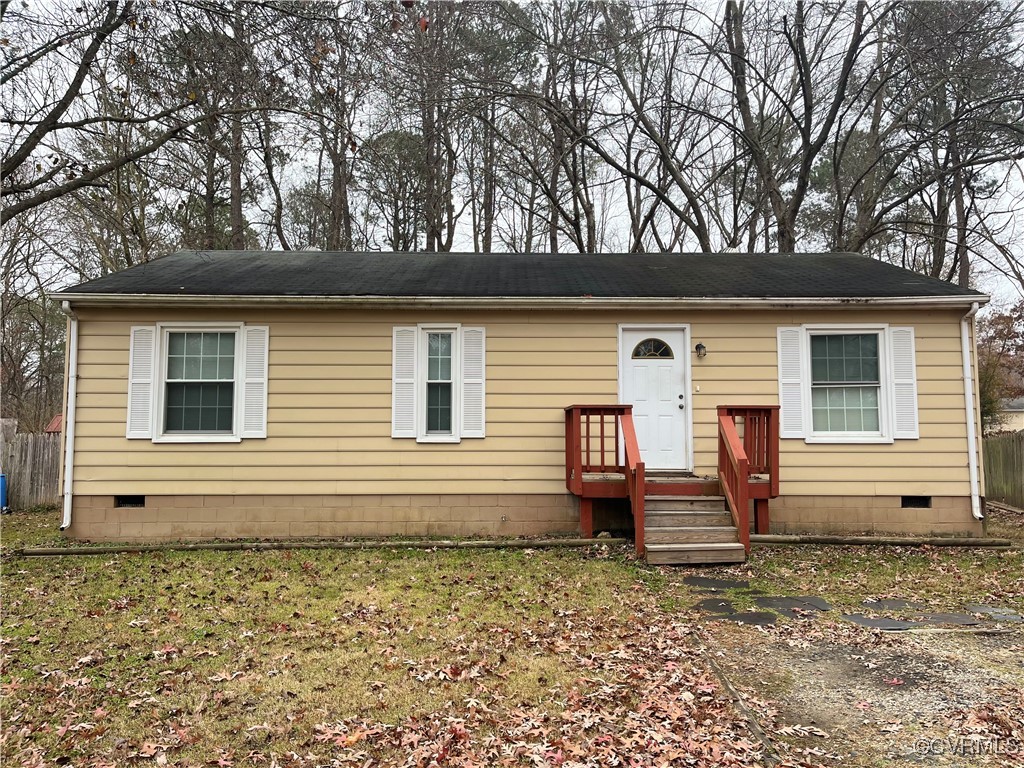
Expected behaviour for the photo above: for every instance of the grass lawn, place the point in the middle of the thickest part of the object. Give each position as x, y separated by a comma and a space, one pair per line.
369, 657
481, 657
1006, 523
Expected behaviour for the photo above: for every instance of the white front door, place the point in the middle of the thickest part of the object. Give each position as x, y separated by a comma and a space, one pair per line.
652, 376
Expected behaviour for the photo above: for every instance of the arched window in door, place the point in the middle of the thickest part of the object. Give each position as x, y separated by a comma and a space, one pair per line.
652, 349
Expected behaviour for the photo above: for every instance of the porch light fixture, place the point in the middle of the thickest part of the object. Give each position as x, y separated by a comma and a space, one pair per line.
701, 350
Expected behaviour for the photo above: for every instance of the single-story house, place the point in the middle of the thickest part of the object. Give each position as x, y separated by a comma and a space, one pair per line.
315, 394
1011, 415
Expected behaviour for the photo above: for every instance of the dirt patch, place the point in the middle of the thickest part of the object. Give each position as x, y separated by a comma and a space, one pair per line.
861, 698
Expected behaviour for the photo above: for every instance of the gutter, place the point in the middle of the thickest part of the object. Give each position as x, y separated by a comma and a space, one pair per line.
515, 302
69, 417
972, 443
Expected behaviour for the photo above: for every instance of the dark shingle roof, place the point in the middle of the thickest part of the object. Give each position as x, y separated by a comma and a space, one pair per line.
711, 276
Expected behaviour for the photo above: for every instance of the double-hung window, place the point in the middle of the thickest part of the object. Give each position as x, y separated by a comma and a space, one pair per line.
195, 383
847, 384
438, 374
199, 388
440, 385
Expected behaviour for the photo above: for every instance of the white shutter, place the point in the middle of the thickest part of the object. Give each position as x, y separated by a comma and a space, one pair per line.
403, 382
256, 341
791, 411
141, 374
904, 383
473, 376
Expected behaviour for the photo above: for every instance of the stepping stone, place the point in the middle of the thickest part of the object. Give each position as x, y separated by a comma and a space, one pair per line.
795, 607
817, 602
756, 618
714, 605
995, 613
960, 619
893, 604
891, 625
713, 584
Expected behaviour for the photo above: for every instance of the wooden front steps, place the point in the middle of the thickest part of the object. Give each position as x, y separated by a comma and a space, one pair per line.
603, 461
681, 530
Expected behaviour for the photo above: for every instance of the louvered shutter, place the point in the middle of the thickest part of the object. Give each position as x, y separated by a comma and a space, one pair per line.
141, 373
473, 377
904, 383
256, 341
403, 382
791, 411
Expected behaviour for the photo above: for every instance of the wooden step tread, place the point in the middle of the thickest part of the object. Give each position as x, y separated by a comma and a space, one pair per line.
686, 499
695, 514
685, 554
694, 534
689, 518
718, 545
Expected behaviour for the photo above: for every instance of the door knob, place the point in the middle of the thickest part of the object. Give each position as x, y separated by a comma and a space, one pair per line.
681, 406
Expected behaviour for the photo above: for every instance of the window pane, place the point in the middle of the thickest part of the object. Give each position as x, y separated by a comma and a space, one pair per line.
854, 420
439, 357
175, 367
819, 346
652, 348
845, 409
869, 345
439, 408
176, 344
193, 395
870, 417
819, 369
199, 407
208, 368
842, 358
869, 368
201, 356
190, 420
820, 419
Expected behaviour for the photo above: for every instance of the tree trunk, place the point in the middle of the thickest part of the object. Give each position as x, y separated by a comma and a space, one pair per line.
236, 158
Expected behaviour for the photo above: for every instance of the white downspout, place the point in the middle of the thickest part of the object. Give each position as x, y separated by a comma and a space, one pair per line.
972, 442
69, 418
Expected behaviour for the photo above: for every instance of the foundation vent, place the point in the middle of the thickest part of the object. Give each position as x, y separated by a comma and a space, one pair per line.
129, 501
916, 502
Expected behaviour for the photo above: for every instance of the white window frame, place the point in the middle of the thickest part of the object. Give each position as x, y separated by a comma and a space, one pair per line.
423, 331
163, 331
884, 435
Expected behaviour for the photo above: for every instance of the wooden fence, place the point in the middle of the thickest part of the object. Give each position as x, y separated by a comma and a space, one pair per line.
32, 465
1004, 468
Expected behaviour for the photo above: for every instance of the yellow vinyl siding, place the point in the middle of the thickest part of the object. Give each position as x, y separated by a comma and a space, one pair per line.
934, 465
329, 411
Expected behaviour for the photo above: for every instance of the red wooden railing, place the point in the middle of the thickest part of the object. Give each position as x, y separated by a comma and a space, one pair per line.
756, 453
734, 473
601, 439
592, 440
636, 481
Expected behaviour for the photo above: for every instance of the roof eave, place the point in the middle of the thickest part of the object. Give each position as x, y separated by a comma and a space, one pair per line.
515, 302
